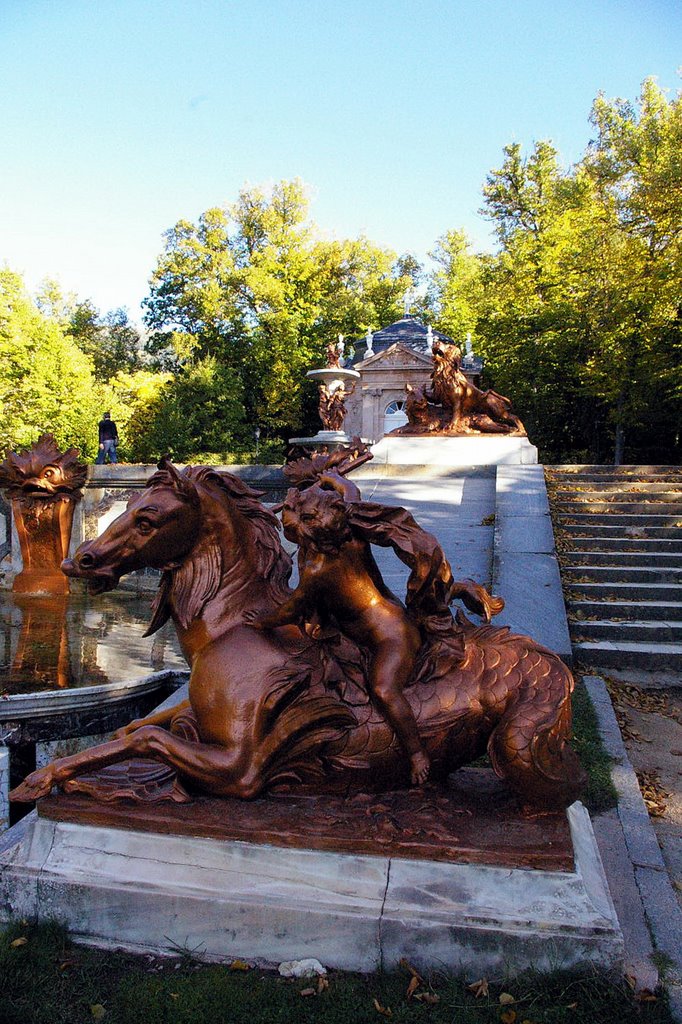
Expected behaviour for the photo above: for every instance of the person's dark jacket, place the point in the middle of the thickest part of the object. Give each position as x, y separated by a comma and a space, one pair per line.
107, 431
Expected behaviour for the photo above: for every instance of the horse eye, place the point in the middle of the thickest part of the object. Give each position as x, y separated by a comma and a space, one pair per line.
144, 526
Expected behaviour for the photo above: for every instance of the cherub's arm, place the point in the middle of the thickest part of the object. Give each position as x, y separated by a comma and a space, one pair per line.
341, 484
291, 612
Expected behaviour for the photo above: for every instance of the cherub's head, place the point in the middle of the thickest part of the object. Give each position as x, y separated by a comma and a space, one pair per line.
317, 518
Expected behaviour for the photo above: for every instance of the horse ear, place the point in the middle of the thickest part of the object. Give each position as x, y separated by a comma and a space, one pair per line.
180, 482
409, 388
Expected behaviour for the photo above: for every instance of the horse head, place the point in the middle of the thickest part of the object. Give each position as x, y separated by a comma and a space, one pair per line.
158, 529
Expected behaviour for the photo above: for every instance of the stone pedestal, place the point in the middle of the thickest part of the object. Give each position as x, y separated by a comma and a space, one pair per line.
480, 450
155, 893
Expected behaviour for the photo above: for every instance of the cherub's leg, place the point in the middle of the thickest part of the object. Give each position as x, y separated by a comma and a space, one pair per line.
215, 769
389, 672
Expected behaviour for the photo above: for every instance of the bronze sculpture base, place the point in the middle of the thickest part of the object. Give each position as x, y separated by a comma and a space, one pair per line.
472, 820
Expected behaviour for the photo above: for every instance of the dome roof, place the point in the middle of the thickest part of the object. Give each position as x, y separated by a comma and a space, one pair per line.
408, 330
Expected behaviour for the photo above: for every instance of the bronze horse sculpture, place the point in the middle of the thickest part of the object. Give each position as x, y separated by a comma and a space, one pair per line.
288, 705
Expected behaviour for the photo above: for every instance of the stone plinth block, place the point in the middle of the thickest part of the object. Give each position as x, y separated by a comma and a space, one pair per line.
156, 893
483, 450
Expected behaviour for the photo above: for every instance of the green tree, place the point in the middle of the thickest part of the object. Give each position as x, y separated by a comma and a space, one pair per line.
46, 382
526, 313
254, 287
631, 261
578, 313
455, 291
111, 341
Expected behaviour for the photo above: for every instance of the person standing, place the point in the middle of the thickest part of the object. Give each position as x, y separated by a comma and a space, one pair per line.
108, 439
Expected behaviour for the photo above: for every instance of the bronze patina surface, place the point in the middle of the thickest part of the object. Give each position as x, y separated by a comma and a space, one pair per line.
475, 820
291, 687
453, 405
332, 404
43, 485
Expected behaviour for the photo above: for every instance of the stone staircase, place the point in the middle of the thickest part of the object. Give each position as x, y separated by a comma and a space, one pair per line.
618, 531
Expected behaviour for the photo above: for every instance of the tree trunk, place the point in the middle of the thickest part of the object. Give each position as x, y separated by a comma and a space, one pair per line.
620, 433
620, 444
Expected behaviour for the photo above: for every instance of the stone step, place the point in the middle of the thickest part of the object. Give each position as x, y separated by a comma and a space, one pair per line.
648, 494
650, 522
622, 655
645, 472
617, 592
650, 508
652, 631
622, 574
641, 559
627, 545
626, 609
588, 527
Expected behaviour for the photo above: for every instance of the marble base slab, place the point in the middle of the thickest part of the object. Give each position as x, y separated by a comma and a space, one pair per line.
484, 450
160, 893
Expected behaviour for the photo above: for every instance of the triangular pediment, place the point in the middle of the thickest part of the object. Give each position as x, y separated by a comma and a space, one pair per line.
396, 355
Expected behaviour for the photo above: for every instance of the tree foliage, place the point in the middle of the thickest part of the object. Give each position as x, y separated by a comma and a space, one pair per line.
253, 287
111, 341
46, 382
578, 313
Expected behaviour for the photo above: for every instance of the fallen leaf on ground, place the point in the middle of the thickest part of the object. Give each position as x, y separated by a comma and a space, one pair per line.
308, 992
508, 1016
97, 1011
479, 988
412, 987
19, 942
240, 965
385, 1011
506, 999
408, 967
322, 984
430, 998
572, 1006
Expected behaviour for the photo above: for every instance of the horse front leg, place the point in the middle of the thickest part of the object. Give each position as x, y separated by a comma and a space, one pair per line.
212, 768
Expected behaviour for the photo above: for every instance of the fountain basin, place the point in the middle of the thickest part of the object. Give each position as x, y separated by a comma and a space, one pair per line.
328, 374
72, 670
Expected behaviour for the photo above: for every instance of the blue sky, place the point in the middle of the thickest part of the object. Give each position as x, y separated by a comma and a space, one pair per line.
119, 117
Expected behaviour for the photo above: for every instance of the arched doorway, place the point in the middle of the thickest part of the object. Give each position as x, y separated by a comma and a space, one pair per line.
394, 415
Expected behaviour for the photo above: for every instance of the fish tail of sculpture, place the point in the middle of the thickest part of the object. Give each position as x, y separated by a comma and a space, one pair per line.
530, 746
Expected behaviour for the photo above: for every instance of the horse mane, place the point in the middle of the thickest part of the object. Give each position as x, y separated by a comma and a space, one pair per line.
272, 561
193, 583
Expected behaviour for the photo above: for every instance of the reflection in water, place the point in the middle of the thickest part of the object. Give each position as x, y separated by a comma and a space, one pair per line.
62, 641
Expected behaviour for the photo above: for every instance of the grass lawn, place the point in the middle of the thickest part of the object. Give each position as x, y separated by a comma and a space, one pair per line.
600, 793
45, 979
